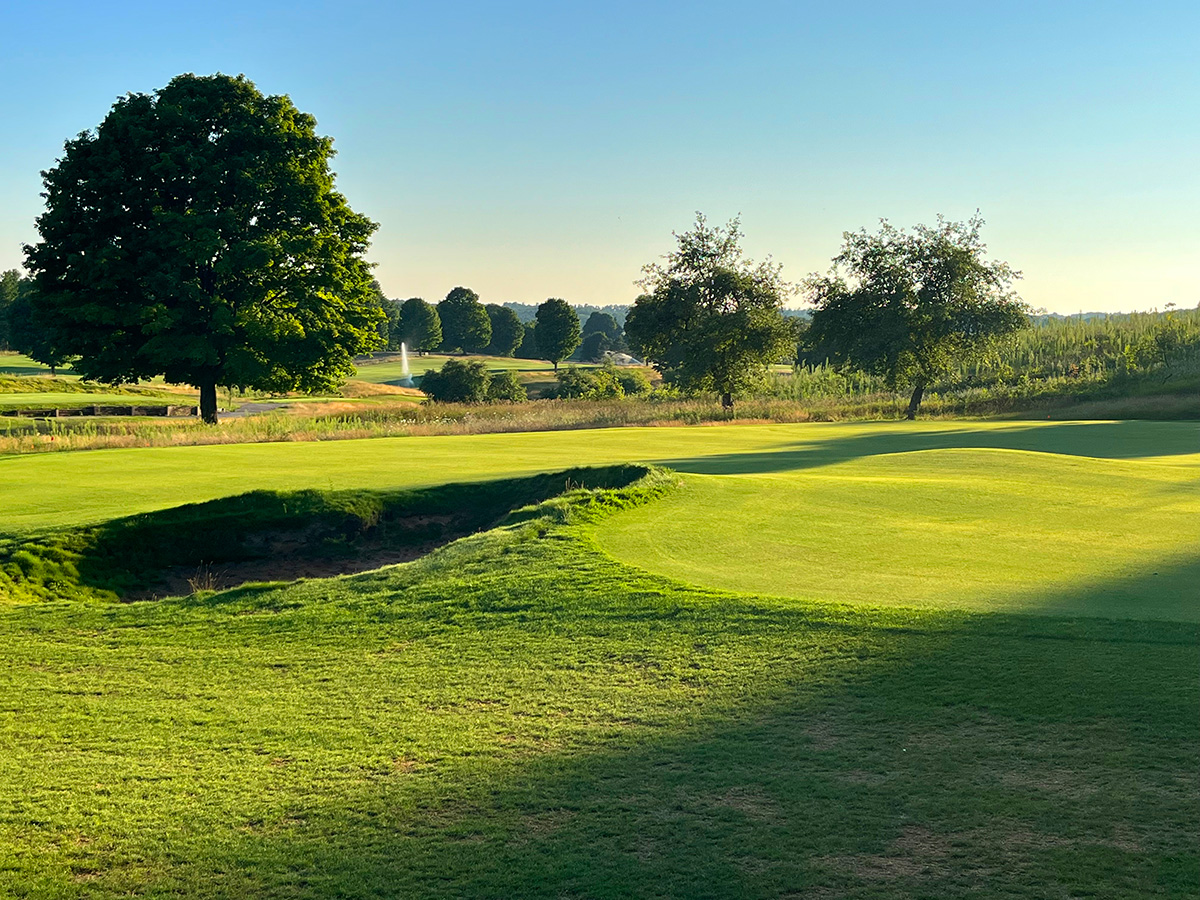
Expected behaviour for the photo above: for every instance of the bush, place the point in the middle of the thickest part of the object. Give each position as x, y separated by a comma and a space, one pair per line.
634, 382
506, 386
597, 384
458, 381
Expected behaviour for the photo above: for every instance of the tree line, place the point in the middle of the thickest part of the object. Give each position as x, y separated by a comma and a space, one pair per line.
196, 234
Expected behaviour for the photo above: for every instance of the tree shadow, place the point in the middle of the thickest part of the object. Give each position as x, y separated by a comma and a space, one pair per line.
1104, 440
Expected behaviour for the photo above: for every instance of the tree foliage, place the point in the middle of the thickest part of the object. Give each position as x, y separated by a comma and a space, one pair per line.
594, 346
711, 320
528, 348
468, 381
909, 306
603, 323
507, 330
558, 332
466, 326
196, 234
420, 325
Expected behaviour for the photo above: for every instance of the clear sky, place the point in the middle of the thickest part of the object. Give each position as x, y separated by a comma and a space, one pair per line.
529, 150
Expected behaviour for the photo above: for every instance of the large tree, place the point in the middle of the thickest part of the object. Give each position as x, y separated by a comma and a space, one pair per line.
557, 330
465, 323
420, 327
507, 330
196, 234
909, 305
711, 320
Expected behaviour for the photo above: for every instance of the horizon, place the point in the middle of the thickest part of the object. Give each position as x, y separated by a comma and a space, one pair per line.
539, 152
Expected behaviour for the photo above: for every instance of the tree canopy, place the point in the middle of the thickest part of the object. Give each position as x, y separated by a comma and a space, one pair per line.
711, 320
909, 305
420, 326
507, 330
557, 330
604, 323
196, 234
466, 326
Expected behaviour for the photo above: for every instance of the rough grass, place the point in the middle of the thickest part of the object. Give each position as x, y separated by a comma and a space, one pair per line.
519, 715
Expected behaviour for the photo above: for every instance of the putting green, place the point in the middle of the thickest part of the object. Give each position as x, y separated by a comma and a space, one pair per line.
979, 529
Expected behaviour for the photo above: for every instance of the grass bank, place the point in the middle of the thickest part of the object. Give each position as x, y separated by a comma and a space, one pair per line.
519, 714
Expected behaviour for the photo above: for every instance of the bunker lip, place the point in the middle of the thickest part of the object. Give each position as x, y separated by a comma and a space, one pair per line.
275, 536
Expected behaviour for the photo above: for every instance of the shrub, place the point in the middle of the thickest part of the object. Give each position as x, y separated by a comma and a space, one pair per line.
635, 382
459, 381
506, 386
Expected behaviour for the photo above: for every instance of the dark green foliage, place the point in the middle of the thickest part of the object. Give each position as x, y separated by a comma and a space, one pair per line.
606, 383
27, 333
507, 330
458, 381
594, 346
10, 287
604, 323
528, 348
506, 387
466, 326
910, 307
197, 235
420, 325
558, 332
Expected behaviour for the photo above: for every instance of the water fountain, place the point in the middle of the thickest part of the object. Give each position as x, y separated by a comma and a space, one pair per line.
405, 374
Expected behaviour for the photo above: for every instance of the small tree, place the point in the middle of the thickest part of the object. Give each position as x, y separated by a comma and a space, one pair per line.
528, 348
28, 334
10, 288
465, 323
604, 323
711, 320
420, 326
458, 381
196, 234
909, 306
558, 331
507, 330
594, 346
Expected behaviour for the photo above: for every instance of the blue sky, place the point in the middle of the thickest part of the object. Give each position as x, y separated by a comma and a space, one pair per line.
529, 150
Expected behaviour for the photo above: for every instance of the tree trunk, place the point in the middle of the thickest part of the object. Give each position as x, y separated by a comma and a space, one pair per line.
208, 402
555, 365
914, 402
727, 401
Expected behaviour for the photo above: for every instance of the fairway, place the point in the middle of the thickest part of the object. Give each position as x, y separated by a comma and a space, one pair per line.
57, 489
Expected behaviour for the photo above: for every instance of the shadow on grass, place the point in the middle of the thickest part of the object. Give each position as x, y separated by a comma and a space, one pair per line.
826, 753
1106, 440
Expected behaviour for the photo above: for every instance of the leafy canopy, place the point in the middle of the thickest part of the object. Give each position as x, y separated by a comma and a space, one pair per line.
465, 323
507, 330
908, 306
196, 234
557, 330
711, 320
420, 327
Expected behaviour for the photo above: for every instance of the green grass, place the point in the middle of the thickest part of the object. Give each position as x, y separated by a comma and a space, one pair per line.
986, 530
49, 400
49, 490
519, 715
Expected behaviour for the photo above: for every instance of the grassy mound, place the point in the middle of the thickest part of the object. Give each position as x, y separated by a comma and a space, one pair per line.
288, 532
519, 715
